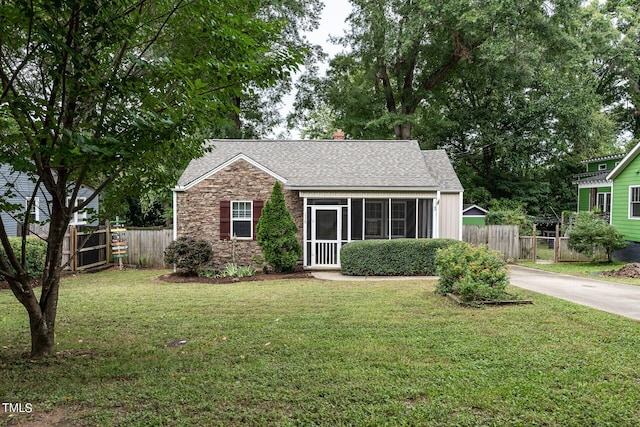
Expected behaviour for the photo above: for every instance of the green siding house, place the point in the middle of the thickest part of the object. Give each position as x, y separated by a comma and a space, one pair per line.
594, 188
474, 215
625, 208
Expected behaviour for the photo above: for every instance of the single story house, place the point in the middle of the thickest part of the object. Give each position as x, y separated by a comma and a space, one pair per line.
19, 190
337, 191
474, 215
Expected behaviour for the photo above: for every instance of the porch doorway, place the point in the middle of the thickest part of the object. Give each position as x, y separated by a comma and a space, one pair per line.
326, 231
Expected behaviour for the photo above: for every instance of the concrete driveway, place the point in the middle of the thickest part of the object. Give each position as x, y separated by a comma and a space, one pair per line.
612, 297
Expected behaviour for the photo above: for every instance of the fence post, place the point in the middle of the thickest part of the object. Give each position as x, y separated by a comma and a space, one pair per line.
556, 245
534, 249
107, 238
73, 248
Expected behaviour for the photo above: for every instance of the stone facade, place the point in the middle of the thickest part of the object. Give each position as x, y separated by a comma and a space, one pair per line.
198, 209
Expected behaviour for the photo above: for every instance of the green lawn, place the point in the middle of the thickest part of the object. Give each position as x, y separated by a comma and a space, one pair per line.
584, 269
299, 353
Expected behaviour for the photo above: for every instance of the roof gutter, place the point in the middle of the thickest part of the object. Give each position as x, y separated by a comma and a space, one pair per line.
356, 188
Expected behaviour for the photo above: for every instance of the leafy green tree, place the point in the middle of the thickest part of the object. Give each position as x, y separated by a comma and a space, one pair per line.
276, 233
589, 233
510, 89
108, 93
405, 50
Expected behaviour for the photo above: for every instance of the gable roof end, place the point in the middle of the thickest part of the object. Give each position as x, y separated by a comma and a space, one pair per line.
187, 181
624, 162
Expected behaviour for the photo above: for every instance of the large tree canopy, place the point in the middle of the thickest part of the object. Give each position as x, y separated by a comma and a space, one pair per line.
517, 92
101, 92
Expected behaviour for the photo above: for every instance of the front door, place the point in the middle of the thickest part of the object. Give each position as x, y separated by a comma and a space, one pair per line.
326, 223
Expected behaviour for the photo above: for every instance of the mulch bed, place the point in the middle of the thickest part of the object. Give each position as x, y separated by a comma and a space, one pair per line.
180, 278
489, 302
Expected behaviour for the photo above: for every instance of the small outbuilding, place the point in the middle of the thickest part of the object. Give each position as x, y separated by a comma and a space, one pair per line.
474, 215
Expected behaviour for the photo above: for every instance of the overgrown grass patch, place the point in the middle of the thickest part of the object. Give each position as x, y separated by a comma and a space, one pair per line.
318, 353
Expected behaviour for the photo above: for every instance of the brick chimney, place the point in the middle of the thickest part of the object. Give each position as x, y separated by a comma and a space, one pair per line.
338, 135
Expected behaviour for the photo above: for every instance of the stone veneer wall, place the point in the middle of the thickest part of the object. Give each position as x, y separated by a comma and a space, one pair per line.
198, 209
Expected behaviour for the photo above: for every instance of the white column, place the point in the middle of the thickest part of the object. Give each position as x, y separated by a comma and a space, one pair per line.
349, 219
304, 233
175, 214
417, 219
389, 219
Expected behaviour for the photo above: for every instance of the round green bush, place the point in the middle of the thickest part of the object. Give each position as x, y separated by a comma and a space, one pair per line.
188, 255
472, 272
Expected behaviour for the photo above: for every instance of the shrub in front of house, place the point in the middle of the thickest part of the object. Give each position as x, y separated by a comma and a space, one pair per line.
276, 233
396, 257
472, 272
188, 255
36, 254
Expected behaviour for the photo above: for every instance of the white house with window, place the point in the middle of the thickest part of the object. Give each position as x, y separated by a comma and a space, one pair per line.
338, 191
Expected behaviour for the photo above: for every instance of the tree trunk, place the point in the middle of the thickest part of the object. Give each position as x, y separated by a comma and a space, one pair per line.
403, 131
42, 335
42, 314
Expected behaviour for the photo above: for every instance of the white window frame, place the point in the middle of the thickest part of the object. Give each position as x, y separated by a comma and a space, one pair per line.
403, 220
35, 208
631, 201
368, 219
79, 217
235, 219
602, 167
606, 202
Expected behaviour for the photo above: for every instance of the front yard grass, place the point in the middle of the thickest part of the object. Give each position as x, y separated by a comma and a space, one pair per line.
310, 352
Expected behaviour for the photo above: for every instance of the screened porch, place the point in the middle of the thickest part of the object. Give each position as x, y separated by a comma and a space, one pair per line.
331, 223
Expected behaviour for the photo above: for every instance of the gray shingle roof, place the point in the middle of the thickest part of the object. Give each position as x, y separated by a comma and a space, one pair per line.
335, 164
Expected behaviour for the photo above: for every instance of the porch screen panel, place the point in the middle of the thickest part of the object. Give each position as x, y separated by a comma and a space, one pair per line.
425, 218
345, 221
308, 223
356, 219
411, 219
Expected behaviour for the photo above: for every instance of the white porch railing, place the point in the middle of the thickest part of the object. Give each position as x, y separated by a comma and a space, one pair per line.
326, 253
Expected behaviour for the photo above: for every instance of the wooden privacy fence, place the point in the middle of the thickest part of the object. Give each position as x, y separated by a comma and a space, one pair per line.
83, 250
506, 239
503, 238
146, 246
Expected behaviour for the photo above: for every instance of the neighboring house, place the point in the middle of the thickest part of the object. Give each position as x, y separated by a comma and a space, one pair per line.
625, 195
474, 215
337, 191
19, 190
594, 188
